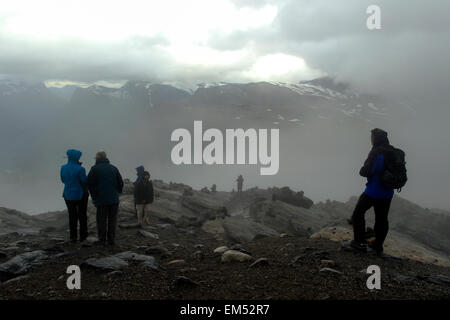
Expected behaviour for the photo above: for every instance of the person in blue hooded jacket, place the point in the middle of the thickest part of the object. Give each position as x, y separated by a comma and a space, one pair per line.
140, 173
374, 195
75, 194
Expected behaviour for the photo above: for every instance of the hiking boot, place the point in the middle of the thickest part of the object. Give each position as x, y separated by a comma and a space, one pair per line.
375, 249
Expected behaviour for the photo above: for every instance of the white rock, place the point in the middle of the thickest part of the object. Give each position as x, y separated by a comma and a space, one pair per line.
221, 249
233, 255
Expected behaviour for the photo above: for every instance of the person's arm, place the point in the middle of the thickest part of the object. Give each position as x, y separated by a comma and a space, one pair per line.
151, 196
92, 182
366, 169
119, 181
82, 177
61, 175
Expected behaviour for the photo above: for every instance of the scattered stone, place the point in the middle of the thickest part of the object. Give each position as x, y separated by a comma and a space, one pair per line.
111, 263
164, 226
21, 263
146, 261
158, 250
92, 239
129, 225
57, 239
241, 250
327, 263
331, 270
148, 234
260, 262
179, 261
221, 249
114, 273
296, 259
185, 281
199, 246
233, 255
283, 235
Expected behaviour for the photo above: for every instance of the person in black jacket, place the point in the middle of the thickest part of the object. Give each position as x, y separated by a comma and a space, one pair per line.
105, 183
143, 193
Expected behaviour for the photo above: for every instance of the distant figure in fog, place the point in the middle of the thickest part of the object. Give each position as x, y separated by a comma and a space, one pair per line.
139, 173
143, 194
105, 183
240, 183
75, 194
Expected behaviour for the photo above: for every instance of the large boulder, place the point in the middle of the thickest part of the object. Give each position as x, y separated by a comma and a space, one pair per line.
22, 263
284, 217
287, 195
239, 229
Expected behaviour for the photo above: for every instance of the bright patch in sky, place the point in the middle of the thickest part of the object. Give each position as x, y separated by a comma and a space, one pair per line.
105, 20
184, 26
279, 65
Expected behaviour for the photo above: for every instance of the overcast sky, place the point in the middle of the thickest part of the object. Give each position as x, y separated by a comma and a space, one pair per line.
228, 40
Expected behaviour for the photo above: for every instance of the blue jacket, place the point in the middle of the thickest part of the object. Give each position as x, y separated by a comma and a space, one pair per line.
374, 188
104, 183
73, 175
140, 172
374, 166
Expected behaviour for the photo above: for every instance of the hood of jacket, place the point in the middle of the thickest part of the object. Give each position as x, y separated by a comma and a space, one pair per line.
74, 156
101, 161
379, 138
140, 170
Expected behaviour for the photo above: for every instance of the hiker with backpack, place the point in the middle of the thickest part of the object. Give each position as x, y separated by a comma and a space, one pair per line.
143, 195
385, 171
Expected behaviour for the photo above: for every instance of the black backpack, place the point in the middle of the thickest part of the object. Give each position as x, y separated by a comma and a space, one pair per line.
394, 175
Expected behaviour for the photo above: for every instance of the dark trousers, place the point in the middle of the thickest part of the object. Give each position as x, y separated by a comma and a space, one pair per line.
381, 228
106, 223
78, 214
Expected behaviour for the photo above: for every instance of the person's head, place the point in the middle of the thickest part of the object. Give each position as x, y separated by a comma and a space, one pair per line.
74, 155
146, 176
379, 137
140, 170
101, 155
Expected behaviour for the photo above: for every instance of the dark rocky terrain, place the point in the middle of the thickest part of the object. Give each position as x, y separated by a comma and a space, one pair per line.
284, 252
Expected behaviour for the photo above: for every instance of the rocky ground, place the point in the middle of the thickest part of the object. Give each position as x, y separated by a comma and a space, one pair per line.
277, 252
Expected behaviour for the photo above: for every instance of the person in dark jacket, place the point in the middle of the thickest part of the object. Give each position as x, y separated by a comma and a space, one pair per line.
105, 183
375, 195
75, 194
143, 193
139, 172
